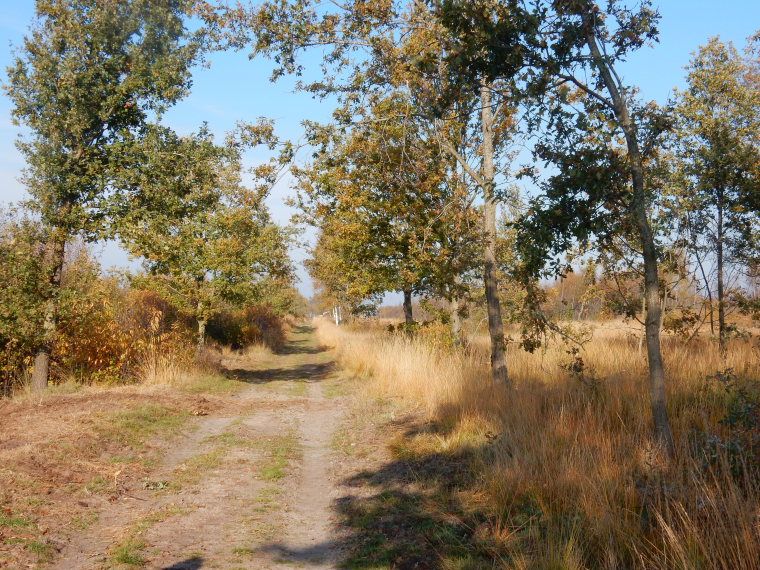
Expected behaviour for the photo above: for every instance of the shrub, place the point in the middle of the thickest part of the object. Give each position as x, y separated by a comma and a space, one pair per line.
257, 324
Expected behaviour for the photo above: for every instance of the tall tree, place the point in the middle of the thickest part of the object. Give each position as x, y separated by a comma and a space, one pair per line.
719, 165
373, 48
602, 138
88, 75
579, 50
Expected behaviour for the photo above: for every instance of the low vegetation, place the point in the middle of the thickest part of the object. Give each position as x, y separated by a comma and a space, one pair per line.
561, 471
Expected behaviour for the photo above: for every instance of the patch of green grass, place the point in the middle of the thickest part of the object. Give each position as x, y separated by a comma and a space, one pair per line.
299, 388
136, 426
122, 459
213, 383
193, 470
43, 550
334, 388
84, 521
98, 485
262, 529
14, 521
34, 501
266, 499
343, 441
296, 388
280, 450
243, 551
129, 552
158, 516
229, 439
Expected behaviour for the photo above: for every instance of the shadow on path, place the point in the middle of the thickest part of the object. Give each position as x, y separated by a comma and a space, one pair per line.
416, 512
301, 345
306, 372
190, 564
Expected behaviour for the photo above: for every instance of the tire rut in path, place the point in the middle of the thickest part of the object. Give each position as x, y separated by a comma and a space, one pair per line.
310, 528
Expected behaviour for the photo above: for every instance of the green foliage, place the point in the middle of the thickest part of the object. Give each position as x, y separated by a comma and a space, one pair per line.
389, 218
84, 82
87, 77
22, 289
718, 155
739, 448
204, 237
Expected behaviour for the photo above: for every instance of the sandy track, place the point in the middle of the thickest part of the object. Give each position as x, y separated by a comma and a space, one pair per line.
251, 490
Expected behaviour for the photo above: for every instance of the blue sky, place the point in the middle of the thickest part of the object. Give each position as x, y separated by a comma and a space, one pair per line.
235, 88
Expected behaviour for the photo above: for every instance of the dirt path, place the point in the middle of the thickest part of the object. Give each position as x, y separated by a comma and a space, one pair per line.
252, 489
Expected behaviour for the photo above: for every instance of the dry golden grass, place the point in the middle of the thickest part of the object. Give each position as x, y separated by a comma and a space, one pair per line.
572, 479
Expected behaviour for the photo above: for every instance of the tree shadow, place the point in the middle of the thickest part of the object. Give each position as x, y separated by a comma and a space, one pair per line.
410, 513
305, 372
301, 346
193, 563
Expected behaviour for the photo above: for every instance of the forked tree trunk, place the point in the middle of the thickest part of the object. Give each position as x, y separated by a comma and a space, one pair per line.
56, 255
408, 314
640, 216
493, 306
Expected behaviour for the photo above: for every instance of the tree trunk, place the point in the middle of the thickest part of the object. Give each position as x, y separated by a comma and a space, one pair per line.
456, 321
721, 283
638, 211
57, 252
202, 322
495, 324
408, 315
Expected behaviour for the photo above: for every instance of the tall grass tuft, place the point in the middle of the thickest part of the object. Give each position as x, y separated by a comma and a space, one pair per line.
572, 477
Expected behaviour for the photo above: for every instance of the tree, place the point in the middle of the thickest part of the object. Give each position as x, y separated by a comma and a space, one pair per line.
598, 139
600, 179
718, 163
22, 288
87, 77
205, 238
386, 214
372, 49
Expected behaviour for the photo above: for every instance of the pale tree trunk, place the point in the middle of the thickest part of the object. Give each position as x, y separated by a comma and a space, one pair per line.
456, 321
653, 314
493, 306
408, 315
56, 252
721, 278
202, 333
202, 322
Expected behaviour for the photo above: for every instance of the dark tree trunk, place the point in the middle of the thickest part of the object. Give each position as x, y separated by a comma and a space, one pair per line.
495, 324
408, 315
56, 255
638, 211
